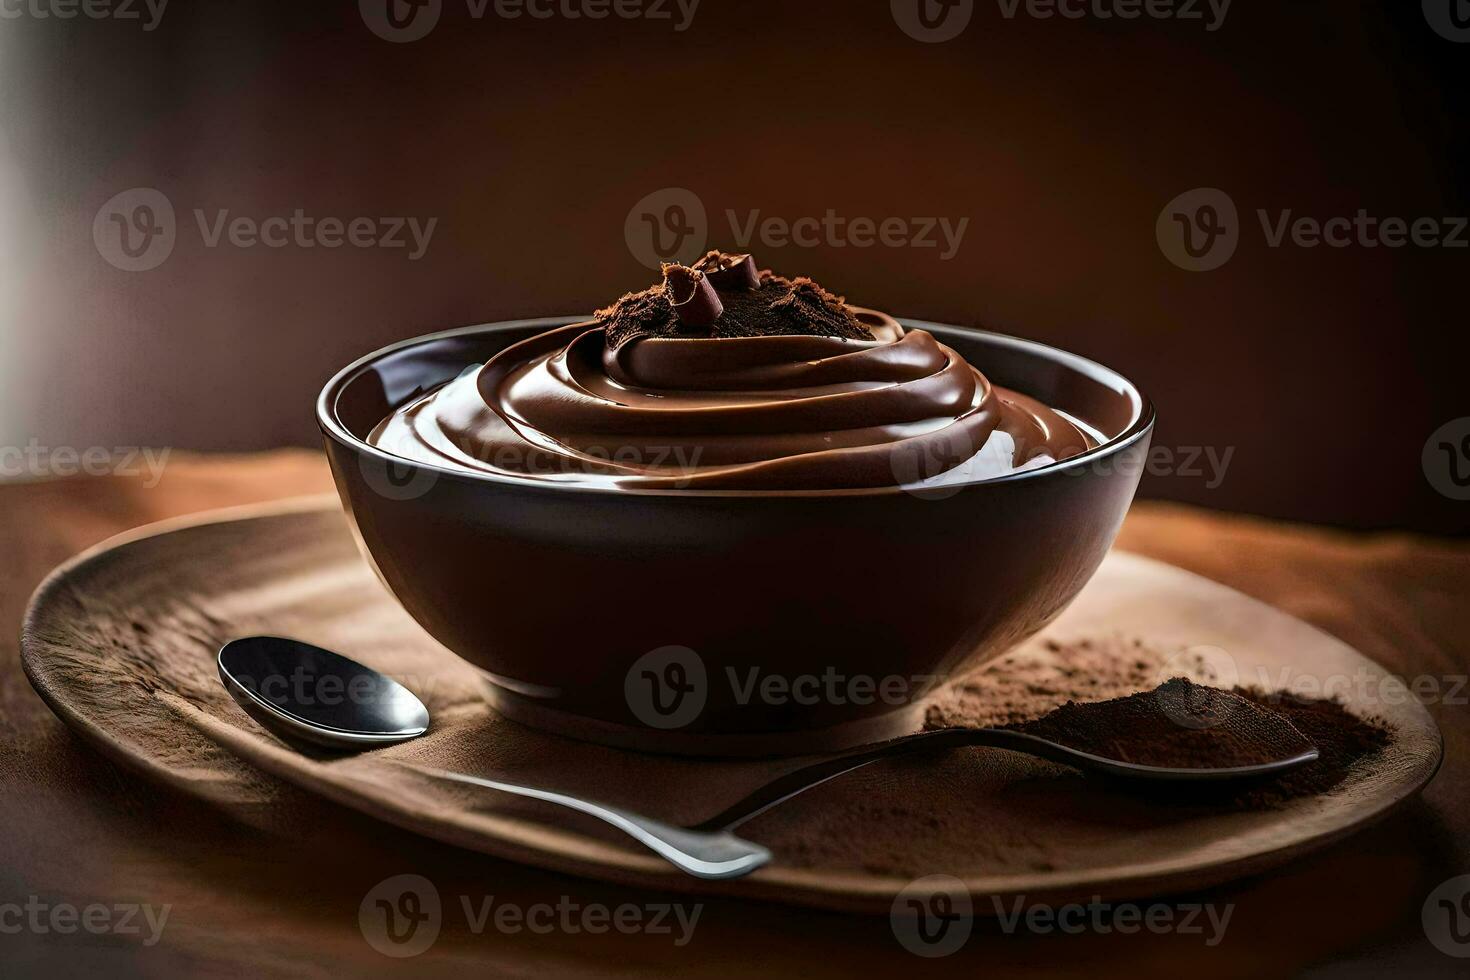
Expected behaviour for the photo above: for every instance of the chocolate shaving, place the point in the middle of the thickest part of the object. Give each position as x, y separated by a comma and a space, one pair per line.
692, 295
729, 272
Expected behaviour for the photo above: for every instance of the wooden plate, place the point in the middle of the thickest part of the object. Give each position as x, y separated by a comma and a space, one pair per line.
121, 642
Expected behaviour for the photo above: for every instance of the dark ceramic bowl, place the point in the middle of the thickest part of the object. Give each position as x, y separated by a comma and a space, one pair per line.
730, 622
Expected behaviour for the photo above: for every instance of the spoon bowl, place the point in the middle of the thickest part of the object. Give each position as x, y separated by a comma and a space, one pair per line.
304, 693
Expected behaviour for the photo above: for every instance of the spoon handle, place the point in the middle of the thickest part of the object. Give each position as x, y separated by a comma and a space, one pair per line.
704, 854
784, 787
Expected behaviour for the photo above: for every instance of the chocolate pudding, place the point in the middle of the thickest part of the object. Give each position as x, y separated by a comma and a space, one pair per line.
723, 377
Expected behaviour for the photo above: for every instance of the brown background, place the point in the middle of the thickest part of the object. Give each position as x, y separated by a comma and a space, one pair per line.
530, 141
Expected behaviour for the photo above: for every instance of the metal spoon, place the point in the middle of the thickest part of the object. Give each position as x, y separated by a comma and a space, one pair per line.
305, 694
283, 684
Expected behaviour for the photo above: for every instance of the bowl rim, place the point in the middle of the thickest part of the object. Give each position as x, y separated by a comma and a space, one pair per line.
333, 428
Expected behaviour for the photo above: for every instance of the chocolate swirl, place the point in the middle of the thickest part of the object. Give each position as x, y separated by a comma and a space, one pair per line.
776, 411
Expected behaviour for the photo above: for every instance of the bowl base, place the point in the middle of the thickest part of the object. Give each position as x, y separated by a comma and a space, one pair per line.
534, 713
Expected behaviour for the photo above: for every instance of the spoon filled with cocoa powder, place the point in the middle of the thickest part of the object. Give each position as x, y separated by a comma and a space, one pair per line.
1178, 732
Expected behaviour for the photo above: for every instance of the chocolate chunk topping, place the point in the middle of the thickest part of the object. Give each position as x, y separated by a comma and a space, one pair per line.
692, 296
774, 307
730, 273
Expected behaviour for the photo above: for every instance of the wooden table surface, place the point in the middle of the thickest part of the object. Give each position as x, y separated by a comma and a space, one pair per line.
80, 836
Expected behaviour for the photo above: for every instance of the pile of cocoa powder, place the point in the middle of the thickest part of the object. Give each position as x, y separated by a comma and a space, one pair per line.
777, 306
1177, 723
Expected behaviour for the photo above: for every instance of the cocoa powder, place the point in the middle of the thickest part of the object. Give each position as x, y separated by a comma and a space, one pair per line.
1046, 687
775, 306
1342, 739
1178, 724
